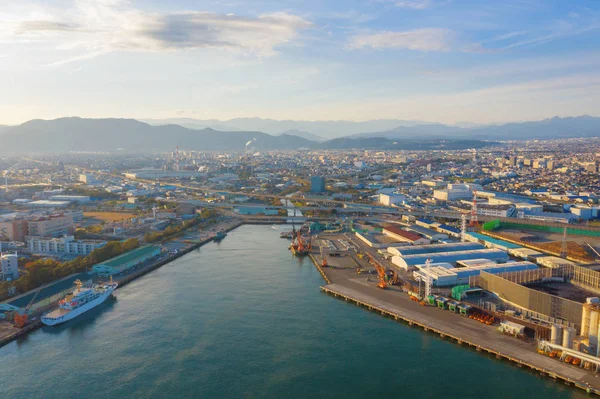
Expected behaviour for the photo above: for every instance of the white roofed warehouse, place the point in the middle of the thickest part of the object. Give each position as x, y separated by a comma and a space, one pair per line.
409, 261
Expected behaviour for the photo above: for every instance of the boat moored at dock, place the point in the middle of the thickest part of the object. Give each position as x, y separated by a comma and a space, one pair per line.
79, 301
220, 235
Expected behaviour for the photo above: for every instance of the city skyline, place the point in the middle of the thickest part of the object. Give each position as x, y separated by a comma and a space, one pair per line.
437, 61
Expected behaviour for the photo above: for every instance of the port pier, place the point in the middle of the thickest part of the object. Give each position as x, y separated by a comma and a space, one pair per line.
343, 283
552, 369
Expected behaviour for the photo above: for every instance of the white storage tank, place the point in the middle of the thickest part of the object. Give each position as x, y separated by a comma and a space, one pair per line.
593, 330
555, 334
585, 320
568, 337
597, 346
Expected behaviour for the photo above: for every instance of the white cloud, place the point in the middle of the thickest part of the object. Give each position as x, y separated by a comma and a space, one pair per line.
560, 30
414, 4
102, 26
427, 39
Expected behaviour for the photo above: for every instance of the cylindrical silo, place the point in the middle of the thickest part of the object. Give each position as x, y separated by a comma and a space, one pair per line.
597, 352
593, 329
568, 336
585, 320
555, 334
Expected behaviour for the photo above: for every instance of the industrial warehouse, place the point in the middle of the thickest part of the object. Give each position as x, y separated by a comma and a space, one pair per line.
122, 263
546, 302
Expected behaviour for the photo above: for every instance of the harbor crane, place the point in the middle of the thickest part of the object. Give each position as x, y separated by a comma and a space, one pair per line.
380, 271
21, 317
299, 246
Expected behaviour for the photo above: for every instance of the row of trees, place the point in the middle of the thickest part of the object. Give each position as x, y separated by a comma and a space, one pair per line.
44, 271
206, 215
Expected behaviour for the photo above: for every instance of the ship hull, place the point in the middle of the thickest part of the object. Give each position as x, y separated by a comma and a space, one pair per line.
52, 321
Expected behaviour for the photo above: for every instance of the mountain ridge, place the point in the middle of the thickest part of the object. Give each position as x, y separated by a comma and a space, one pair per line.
549, 128
324, 129
555, 127
110, 134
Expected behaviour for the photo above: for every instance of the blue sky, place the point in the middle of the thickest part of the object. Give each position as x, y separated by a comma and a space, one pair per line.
436, 60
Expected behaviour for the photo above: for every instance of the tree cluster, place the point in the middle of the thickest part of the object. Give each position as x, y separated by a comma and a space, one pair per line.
44, 271
206, 215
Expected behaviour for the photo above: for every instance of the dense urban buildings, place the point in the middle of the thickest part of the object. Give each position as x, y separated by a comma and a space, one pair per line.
518, 220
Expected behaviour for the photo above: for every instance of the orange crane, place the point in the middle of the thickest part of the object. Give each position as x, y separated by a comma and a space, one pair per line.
396, 279
299, 246
307, 245
21, 317
382, 283
381, 271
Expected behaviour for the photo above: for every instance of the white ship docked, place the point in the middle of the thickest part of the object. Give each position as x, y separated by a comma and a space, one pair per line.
79, 301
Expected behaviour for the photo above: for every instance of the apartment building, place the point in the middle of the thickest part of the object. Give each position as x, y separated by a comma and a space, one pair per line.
66, 245
13, 230
51, 226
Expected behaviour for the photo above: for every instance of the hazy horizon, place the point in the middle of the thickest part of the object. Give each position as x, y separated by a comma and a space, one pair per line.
432, 60
152, 120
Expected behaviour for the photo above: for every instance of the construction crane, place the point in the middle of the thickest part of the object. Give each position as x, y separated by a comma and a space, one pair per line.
302, 244
564, 250
21, 317
396, 279
380, 271
299, 246
474, 209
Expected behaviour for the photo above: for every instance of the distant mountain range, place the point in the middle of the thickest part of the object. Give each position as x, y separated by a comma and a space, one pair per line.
304, 135
323, 129
553, 128
581, 126
77, 134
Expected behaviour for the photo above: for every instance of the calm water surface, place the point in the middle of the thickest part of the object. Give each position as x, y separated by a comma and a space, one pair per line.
243, 319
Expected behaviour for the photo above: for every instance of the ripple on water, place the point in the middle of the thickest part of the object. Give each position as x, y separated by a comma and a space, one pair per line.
243, 319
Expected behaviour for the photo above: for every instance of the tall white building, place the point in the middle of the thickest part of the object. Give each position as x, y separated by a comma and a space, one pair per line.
9, 267
455, 192
452, 194
87, 178
391, 199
